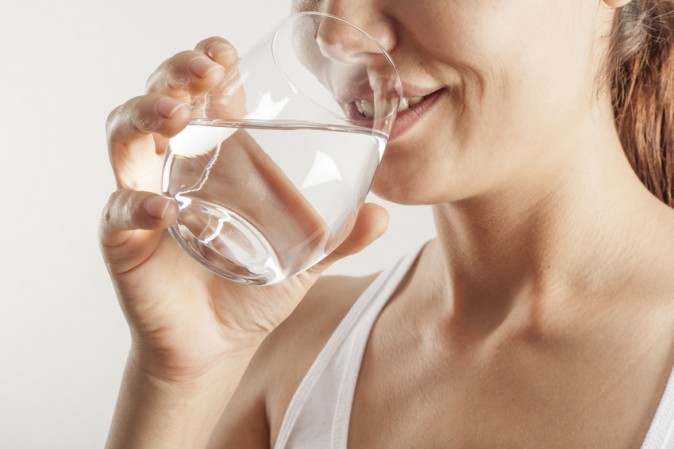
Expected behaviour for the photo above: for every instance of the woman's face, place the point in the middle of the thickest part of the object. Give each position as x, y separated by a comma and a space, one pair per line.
507, 85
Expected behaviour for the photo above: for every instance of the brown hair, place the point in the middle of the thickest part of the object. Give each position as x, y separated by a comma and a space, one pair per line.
641, 68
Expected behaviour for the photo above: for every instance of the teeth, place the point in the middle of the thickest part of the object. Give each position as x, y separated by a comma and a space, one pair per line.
366, 107
407, 103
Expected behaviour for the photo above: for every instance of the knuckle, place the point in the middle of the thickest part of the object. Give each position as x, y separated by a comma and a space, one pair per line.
136, 115
144, 124
119, 207
177, 83
109, 210
177, 66
112, 121
202, 45
182, 56
172, 74
106, 215
111, 118
114, 201
152, 80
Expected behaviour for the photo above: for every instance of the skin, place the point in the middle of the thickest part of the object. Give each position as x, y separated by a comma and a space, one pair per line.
541, 316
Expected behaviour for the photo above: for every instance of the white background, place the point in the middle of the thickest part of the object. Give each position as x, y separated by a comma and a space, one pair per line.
63, 66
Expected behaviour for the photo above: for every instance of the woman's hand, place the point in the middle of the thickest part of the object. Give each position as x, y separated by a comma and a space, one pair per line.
185, 320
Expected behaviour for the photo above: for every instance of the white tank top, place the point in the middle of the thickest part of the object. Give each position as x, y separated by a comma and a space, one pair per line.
319, 413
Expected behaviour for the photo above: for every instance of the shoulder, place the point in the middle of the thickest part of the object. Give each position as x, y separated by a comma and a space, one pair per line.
286, 355
319, 313
256, 410
290, 349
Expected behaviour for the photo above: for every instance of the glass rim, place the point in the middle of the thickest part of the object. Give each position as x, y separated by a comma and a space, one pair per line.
397, 78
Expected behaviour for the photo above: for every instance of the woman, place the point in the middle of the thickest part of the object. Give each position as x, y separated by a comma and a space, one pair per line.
541, 316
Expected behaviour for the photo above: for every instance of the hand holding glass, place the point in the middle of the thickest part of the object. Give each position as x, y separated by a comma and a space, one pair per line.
272, 168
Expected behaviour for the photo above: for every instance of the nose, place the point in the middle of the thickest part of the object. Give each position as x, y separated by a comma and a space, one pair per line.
341, 42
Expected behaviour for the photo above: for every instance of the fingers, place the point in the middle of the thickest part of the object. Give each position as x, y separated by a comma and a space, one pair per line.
137, 133
219, 50
370, 224
138, 130
191, 72
128, 210
144, 115
132, 130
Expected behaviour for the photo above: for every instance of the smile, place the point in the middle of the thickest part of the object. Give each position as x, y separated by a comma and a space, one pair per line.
415, 109
363, 111
366, 108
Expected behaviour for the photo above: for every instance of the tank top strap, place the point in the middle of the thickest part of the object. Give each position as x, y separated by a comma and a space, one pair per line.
319, 412
661, 432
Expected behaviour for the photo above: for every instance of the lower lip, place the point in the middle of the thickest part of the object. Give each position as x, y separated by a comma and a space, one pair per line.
407, 118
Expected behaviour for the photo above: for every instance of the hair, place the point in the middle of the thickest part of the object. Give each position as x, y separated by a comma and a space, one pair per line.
641, 71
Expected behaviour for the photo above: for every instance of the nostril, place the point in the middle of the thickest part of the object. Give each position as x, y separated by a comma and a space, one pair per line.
341, 52
346, 60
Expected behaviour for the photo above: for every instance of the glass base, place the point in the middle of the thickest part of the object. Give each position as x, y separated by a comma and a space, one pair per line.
226, 243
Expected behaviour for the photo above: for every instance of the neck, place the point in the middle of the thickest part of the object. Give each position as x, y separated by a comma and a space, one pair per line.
571, 233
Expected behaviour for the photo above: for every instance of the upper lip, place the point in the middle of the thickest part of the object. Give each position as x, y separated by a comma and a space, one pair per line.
413, 91
355, 115
363, 91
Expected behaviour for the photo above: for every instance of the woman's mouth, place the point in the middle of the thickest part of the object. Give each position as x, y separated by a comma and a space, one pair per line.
411, 111
363, 112
366, 108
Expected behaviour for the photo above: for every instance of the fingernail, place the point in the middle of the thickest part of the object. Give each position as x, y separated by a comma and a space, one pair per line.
167, 107
202, 66
223, 53
156, 206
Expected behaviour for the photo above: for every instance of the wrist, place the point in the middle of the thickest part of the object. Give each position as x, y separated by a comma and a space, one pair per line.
157, 413
189, 371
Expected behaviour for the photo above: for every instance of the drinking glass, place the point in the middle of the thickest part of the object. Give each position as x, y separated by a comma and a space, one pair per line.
272, 168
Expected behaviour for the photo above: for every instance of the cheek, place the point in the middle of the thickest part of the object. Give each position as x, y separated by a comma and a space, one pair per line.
525, 75
525, 66
502, 45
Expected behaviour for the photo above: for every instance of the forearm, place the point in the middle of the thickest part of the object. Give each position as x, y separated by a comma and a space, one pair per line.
161, 414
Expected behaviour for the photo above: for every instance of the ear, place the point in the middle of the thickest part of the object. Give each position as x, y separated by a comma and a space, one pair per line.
616, 3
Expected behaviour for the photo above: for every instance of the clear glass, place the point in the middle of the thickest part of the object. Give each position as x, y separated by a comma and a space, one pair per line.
272, 168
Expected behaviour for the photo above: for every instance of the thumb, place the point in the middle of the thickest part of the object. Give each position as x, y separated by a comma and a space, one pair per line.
129, 225
370, 224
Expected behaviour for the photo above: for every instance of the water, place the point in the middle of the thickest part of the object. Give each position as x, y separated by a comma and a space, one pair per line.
261, 202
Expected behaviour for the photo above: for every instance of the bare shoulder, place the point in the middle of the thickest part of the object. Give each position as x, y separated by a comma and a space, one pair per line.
317, 315
290, 350
253, 416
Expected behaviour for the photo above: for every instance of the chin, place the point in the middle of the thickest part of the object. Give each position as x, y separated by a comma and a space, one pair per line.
406, 182
404, 189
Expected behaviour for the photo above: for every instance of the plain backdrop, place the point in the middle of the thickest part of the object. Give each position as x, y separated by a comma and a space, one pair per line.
63, 66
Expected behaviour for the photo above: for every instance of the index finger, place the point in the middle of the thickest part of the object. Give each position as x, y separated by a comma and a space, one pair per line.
219, 50
190, 73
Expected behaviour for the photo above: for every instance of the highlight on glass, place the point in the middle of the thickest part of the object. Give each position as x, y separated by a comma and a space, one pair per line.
272, 168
